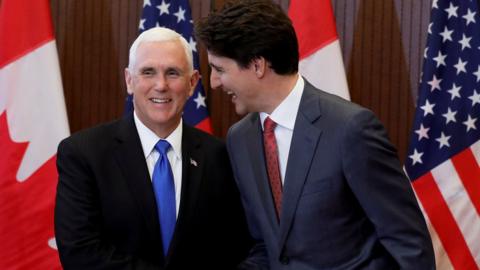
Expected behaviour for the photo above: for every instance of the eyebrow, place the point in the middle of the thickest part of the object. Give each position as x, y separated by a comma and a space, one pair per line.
215, 66
146, 69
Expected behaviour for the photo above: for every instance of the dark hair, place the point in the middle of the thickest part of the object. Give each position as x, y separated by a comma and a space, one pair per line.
245, 30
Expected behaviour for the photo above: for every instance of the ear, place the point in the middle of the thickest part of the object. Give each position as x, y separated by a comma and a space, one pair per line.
193, 81
260, 66
128, 81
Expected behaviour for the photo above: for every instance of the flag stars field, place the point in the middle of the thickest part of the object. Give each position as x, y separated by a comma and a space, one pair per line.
450, 116
440, 59
180, 14
470, 123
435, 83
465, 42
163, 8
454, 91
200, 100
443, 140
452, 11
444, 151
427, 108
422, 132
475, 98
477, 73
416, 157
469, 17
446, 34
460, 66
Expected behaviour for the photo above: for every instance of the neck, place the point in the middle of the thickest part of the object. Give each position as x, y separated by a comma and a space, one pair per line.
277, 88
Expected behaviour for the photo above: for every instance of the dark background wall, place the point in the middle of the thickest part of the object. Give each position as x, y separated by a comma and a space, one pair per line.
382, 45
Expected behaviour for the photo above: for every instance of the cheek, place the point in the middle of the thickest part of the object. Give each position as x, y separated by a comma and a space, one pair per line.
140, 87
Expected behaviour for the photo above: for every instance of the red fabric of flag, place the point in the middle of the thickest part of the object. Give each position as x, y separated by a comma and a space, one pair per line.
32, 122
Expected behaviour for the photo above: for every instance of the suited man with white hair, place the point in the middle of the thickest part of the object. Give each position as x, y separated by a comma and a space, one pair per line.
108, 211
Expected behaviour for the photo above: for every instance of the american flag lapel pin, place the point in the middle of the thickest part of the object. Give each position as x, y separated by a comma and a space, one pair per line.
193, 162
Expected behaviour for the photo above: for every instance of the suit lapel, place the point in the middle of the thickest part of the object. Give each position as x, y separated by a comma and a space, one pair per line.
192, 170
257, 156
302, 149
131, 161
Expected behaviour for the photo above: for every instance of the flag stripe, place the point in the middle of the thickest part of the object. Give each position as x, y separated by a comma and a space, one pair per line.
459, 202
442, 220
314, 30
24, 26
442, 261
469, 172
476, 151
205, 125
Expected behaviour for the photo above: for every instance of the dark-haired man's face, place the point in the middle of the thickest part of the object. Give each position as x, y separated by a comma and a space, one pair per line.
237, 82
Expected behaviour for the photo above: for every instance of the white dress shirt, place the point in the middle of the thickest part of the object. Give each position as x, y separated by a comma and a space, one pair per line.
148, 139
284, 115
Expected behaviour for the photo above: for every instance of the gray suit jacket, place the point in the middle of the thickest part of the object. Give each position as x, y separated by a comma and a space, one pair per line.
346, 202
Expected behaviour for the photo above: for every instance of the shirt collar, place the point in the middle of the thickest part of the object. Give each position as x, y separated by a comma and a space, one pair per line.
286, 113
148, 138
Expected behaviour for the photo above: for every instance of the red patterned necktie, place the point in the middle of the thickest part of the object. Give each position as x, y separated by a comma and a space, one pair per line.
271, 158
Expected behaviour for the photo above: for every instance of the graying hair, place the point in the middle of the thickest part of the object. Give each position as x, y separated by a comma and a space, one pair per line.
159, 34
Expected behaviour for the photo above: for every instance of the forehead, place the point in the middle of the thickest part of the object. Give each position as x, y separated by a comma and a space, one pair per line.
161, 53
220, 61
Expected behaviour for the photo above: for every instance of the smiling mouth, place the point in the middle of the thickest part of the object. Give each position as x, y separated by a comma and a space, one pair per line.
160, 100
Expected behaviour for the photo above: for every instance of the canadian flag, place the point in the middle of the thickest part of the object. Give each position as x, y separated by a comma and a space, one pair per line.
33, 120
320, 55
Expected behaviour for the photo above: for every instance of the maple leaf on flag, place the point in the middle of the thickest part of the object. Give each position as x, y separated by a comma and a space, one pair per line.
25, 244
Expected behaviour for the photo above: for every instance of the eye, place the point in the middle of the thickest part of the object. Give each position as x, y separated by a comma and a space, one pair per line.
173, 73
148, 72
218, 69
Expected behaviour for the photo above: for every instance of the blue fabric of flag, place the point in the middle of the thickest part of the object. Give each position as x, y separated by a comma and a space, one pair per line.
448, 105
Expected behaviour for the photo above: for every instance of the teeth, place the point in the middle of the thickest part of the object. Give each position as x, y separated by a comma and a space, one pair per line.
229, 92
160, 100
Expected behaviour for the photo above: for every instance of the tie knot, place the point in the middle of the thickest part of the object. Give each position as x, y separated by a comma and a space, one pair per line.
269, 125
162, 147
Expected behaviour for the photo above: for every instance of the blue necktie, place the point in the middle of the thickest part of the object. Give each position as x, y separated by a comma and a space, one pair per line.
164, 190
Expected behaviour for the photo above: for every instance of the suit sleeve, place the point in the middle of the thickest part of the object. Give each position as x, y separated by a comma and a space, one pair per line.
78, 218
257, 258
376, 178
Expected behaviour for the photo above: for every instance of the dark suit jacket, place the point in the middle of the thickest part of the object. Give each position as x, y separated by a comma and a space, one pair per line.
105, 213
346, 201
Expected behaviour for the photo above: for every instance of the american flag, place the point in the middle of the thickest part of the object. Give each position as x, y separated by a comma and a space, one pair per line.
176, 15
444, 154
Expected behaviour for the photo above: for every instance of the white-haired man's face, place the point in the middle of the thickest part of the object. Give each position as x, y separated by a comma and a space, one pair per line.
161, 81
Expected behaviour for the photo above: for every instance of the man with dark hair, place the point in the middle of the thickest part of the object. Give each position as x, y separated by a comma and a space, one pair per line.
148, 191
321, 184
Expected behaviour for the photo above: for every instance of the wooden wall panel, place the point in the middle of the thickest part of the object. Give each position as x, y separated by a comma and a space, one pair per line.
93, 38
382, 45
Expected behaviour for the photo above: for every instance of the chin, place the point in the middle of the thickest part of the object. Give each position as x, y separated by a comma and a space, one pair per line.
241, 111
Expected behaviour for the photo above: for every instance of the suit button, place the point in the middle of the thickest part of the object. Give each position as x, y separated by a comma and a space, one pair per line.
284, 260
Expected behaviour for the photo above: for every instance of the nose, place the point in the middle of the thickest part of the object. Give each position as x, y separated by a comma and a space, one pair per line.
160, 83
214, 80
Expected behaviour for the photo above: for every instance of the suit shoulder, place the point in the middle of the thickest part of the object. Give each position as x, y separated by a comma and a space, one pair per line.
203, 137
240, 126
335, 106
